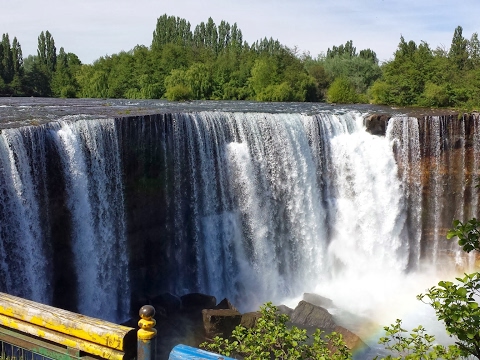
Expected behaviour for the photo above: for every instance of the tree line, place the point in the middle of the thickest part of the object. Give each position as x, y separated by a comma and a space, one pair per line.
214, 62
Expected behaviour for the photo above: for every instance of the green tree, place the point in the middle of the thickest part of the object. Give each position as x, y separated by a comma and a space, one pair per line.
458, 49
8, 69
263, 74
64, 83
347, 50
474, 50
404, 77
46, 51
171, 30
177, 87
271, 338
342, 91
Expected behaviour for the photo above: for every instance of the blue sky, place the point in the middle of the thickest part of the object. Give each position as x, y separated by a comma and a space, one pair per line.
94, 28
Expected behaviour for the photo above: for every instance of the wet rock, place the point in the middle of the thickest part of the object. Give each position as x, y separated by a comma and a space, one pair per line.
195, 301
225, 304
352, 340
284, 309
220, 322
318, 300
250, 319
376, 124
169, 302
307, 314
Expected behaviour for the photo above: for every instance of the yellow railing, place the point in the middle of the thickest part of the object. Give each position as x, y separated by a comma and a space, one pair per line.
59, 334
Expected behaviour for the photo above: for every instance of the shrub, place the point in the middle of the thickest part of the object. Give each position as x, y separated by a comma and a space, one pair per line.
270, 338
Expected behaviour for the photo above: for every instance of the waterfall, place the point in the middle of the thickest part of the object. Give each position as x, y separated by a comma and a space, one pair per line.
94, 190
88, 153
269, 205
254, 207
404, 135
24, 268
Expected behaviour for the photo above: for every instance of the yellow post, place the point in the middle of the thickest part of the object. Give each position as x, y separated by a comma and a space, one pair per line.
146, 332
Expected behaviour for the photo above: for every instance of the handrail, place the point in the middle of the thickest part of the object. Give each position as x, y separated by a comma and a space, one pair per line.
59, 334
42, 325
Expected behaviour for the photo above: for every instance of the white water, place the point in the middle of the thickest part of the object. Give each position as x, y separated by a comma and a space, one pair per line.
21, 237
92, 174
260, 207
89, 152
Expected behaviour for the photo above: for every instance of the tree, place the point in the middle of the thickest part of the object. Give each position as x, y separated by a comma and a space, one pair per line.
270, 338
8, 70
347, 50
171, 30
342, 91
264, 73
64, 83
176, 85
46, 51
458, 50
474, 50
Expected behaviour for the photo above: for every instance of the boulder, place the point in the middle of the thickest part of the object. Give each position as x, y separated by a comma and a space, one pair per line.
284, 309
352, 340
307, 314
250, 319
225, 304
376, 124
220, 322
196, 301
318, 300
167, 301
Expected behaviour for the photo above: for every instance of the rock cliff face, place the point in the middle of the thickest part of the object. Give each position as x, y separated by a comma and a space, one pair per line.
437, 157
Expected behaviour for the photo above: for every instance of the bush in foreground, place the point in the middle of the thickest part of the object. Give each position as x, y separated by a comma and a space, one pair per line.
270, 338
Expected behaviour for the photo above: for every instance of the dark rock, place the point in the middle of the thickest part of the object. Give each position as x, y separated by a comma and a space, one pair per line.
283, 309
225, 304
250, 319
376, 124
310, 315
318, 300
352, 340
220, 322
167, 301
195, 301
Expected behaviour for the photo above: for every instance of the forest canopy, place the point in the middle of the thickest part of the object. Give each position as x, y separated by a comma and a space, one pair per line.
214, 62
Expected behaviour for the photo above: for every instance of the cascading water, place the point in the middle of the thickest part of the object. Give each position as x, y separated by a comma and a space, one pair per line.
270, 205
251, 206
404, 135
24, 269
92, 177
88, 151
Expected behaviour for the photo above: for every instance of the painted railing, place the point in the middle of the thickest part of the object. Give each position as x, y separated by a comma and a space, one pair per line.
42, 331
34, 331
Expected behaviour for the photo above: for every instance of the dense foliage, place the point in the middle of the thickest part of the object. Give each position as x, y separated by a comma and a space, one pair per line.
270, 338
421, 76
214, 62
